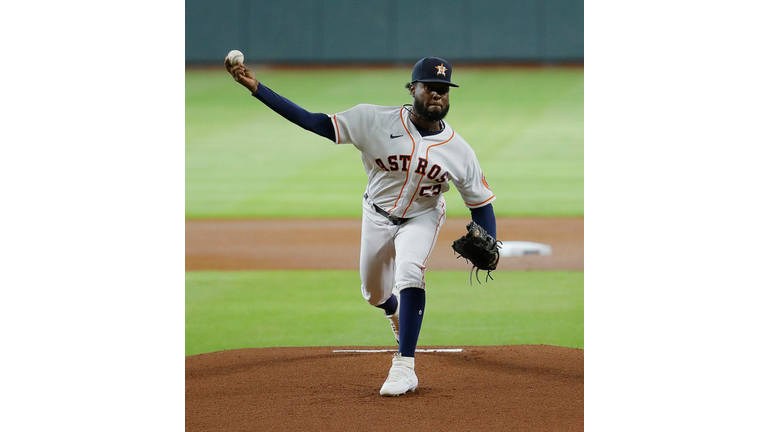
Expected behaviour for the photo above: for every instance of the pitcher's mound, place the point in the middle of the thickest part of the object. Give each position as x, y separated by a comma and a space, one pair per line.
520, 387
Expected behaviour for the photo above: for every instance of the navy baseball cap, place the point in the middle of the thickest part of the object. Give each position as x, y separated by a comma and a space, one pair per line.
432, 69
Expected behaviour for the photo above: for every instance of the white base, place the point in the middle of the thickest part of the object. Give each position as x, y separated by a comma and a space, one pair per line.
524, 248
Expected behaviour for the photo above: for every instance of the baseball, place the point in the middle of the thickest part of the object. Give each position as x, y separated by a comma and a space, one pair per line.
235, 57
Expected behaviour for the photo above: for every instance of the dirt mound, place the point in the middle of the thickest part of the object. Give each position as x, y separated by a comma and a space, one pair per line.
520, 387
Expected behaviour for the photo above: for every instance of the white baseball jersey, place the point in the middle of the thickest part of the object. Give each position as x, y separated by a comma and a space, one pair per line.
407, 173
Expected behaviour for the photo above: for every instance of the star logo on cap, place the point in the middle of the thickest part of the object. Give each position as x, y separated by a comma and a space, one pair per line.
441, 69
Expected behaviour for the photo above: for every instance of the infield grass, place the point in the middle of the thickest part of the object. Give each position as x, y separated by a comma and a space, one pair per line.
231, 310
244, 161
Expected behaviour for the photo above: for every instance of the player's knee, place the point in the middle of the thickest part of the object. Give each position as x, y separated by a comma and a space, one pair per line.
410, 275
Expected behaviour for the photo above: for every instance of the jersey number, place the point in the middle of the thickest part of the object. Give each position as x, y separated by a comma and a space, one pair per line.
428, 191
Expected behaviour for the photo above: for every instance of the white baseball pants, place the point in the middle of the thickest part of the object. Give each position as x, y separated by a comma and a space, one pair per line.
395, 256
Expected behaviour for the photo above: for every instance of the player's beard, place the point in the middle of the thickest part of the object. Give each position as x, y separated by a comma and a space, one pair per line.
432, 116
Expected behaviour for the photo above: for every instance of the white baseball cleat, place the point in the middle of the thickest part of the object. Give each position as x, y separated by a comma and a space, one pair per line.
394, 320
401, 378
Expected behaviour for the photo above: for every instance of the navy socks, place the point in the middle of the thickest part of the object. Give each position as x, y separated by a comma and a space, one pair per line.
412, 301
389, 306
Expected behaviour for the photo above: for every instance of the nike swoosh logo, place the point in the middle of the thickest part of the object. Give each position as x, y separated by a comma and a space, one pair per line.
393, 136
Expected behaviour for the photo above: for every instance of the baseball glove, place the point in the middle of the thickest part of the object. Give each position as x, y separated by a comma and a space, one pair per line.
480, 248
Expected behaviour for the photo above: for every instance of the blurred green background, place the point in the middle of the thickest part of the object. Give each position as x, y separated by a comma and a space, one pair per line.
245, 161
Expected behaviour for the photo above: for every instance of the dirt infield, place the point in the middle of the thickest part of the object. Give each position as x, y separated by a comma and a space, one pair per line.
501, 388
335, 244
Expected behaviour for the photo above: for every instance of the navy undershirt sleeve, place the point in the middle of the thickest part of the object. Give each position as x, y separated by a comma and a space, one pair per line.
485, 217
318, 123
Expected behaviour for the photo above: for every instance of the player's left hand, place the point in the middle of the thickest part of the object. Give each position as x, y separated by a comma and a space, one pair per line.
243, 75
479, 248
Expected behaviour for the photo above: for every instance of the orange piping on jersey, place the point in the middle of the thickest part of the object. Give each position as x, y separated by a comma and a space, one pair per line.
425, 171
338, 132
473, 205
409, 163
434, 238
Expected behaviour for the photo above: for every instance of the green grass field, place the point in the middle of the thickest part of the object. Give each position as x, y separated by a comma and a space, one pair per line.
230, 310
243, 160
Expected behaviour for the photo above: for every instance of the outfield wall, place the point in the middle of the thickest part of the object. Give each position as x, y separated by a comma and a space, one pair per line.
355, 31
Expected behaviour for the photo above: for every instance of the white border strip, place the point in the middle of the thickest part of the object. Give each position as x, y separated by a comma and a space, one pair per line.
392, 350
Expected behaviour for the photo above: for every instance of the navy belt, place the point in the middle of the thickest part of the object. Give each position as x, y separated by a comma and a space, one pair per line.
381, 211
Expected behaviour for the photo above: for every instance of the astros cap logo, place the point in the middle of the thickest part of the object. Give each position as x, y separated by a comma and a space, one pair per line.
441, 69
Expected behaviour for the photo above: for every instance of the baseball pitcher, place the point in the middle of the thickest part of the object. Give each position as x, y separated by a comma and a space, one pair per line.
411, 156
